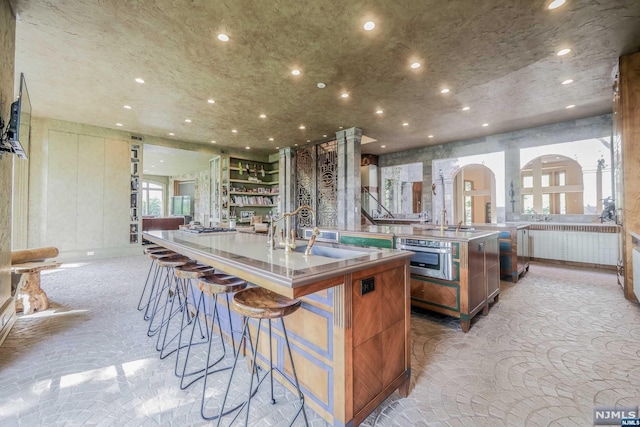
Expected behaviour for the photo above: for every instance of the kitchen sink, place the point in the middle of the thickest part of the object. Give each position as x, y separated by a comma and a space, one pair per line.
332, 252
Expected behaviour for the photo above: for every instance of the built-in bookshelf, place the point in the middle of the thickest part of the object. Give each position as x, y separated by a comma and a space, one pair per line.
251, 189
134, 206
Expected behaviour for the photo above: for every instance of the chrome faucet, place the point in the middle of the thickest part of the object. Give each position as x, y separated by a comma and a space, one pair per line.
288, 235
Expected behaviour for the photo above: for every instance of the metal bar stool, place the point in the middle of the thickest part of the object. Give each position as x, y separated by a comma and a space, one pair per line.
183, 276
168, 288
212, 286
151, 250
259, 303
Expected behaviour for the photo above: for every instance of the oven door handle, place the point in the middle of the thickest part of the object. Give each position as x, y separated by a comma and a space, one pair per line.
429, 250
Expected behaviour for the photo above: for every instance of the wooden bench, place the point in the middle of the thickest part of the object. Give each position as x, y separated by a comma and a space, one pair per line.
28, 264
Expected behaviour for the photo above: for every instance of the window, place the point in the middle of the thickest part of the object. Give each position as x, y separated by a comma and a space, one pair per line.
152, 199
567, 178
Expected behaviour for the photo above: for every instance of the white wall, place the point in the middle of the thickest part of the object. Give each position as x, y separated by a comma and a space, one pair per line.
80, 186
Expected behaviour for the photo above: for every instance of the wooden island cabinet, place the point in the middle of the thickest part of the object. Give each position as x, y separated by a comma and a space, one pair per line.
514, 247
475, 283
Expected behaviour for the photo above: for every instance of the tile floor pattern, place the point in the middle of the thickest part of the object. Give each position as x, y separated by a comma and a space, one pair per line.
556, 344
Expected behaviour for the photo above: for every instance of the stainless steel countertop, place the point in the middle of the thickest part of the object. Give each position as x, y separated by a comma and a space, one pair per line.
417, 230
248, 256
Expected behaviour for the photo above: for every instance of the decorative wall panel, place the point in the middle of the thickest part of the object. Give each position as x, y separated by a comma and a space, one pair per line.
305, 184
327, 184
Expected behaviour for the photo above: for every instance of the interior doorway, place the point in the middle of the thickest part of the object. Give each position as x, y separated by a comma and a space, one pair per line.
474, 195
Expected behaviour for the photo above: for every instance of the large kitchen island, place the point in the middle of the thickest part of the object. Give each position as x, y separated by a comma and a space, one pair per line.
351, 338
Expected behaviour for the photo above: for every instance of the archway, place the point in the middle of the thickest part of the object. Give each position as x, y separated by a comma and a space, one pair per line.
474, 195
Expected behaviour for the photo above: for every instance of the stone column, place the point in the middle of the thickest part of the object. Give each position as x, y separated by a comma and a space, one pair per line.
349, 184
287, 176
512, 175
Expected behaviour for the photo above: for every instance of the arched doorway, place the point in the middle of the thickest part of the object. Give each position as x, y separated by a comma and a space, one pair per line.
474, 195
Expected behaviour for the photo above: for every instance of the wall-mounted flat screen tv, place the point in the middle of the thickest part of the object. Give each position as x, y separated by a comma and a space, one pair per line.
19, 129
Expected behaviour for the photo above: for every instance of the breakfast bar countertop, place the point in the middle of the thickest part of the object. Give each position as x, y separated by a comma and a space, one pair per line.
288, 273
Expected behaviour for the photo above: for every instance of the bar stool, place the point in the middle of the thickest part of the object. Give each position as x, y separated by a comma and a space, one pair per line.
167, 290
149, 250
212, 286
259, 303
183, 276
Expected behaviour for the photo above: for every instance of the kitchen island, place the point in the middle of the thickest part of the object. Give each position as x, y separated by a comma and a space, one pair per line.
474, 279
351, 338
453, 272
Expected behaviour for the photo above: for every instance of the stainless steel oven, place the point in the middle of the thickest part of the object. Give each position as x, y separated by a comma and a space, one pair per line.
431, 258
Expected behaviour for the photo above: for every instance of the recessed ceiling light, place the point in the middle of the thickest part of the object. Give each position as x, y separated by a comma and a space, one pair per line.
127, 107
369, 25
171, 133
563, 52
308, 140
570, 106
445, 90
383, 146
415, 65
248, 148
263, 116
161, 161
430, 136
379, 111
555, 4
211, 101
153, 166
223, 37
568, 81
344, 95
295, 72
484, 125
187, 120
295, 145
405, 124
119, 124
324, 136
302, 127
321, 85
466, 108
213, 141
341, 127
270, 139
139, 80
234, 130
277, 148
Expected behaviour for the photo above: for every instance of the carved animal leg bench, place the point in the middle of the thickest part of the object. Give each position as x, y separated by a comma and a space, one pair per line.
29, 263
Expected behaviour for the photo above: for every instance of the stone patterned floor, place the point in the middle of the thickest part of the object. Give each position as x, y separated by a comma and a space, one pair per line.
557, 344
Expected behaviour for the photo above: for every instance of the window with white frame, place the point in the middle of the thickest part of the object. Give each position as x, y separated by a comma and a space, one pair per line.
153, 198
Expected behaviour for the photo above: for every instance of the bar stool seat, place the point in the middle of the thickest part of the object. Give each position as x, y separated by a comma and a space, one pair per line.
152, 248
174, 261
262, 304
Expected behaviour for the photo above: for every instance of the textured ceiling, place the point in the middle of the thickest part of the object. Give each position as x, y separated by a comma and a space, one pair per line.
80, 59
